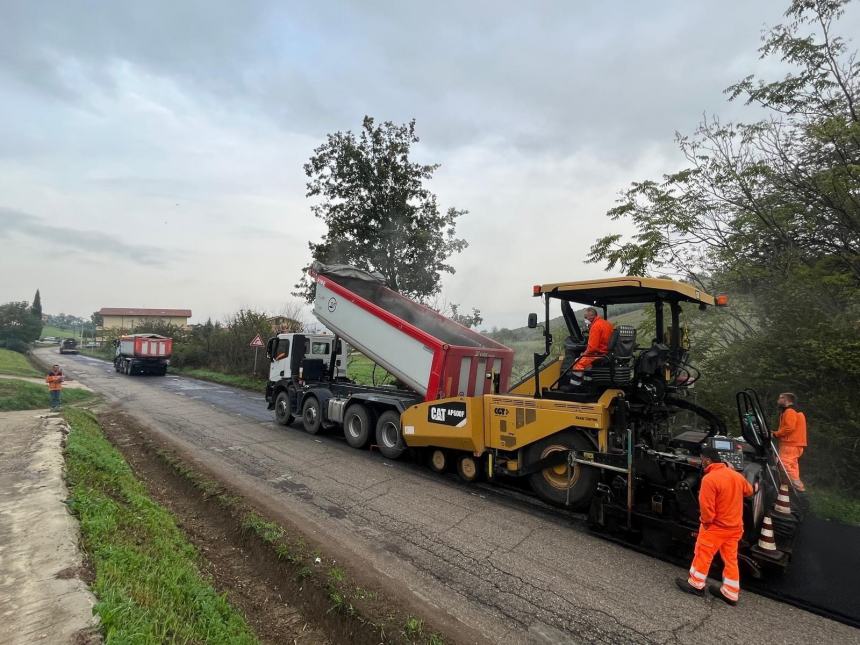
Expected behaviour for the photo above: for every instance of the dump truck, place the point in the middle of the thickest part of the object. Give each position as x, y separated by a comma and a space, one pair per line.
69, 346
622, 444
143, 354
429, 355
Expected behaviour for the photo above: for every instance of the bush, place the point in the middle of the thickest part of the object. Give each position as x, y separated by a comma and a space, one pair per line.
16, 345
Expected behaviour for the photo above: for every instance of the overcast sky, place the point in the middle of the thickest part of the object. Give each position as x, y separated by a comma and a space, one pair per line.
151, 152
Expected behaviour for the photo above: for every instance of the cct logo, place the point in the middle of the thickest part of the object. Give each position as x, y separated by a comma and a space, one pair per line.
500, 412
450, 414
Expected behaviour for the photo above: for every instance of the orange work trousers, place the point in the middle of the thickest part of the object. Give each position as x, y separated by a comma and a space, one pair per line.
708, 543
790, 456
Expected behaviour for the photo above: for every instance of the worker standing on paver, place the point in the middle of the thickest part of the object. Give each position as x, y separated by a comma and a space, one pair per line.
721, 507
792, 437
55, 385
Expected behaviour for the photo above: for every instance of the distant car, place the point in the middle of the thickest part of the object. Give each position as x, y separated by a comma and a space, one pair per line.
91, 345
50, 339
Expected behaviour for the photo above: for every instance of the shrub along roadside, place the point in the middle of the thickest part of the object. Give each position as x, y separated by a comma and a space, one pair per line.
148, 586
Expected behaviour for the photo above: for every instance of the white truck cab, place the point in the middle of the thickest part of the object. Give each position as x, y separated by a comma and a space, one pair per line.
281, 349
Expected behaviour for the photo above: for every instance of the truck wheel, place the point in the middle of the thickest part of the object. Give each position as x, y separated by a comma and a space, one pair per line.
469, 468
282, 409
356, 425
552, 484
388, 435
438, 460
312, 415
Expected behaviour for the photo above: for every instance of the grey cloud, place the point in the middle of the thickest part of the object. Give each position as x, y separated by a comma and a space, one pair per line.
540, 77
14, 222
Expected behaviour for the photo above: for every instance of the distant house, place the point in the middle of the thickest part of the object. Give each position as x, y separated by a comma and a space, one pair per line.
131, 319
284, 324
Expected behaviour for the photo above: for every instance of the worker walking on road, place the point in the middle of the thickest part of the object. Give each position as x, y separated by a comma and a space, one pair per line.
55, 385
792, 437
721, 505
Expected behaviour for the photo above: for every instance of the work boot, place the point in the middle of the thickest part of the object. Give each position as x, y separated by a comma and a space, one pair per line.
686, 587
716, 593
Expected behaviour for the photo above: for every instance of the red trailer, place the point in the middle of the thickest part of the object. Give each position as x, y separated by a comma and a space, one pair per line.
143, 354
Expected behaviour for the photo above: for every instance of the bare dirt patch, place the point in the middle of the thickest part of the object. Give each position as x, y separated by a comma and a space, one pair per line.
287, 595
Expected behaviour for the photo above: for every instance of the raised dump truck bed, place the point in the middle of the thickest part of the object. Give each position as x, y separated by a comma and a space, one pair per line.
431, 354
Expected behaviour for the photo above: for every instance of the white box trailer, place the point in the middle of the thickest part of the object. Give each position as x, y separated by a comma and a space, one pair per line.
430, 353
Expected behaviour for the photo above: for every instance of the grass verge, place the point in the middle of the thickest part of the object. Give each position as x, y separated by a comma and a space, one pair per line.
21, 395
313, 569
104, 353
16, 364
245, 382
832, 505
147, 582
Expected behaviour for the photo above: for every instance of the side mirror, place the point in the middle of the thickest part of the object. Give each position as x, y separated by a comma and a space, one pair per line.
532, 321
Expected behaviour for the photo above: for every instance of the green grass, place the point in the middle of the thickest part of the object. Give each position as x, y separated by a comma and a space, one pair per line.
832, 505
360, 369
245, 382
16, 364
104, 353
21, 395
147, 582
56, 332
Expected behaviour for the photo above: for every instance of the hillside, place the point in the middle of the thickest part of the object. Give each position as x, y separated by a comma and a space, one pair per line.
525, 342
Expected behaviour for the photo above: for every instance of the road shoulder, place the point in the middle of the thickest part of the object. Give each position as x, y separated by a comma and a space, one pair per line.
42, 594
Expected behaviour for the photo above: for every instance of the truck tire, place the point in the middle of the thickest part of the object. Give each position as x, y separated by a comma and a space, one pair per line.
356, 425
389, 438
312, 415
552, 484
283, 416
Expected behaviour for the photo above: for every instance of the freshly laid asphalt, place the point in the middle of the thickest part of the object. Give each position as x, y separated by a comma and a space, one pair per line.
509, 569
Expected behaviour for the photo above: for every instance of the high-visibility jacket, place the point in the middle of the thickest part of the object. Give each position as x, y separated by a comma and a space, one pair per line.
721, 497
54, 381
598, 343
792, 428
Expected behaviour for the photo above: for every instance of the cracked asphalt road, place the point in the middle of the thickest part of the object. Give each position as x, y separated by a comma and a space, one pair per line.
510, 571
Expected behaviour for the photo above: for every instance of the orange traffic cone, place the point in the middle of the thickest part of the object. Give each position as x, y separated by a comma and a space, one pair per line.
783, 504
766, 541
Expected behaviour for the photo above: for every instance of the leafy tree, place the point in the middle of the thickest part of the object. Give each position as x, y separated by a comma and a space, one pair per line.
771, 209
379, 214
36, 307
18, 324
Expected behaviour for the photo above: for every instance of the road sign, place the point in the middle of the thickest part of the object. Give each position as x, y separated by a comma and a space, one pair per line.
256, 342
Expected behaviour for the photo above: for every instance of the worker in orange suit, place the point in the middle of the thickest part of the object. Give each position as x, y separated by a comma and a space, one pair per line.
721, 506
792, 437
54, 379
599, 333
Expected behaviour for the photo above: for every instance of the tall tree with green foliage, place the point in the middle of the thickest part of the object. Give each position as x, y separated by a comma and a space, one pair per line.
36, 307
771, 210
18, 325
379, 214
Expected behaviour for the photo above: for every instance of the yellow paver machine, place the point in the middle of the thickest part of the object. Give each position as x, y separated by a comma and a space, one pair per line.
621, 441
